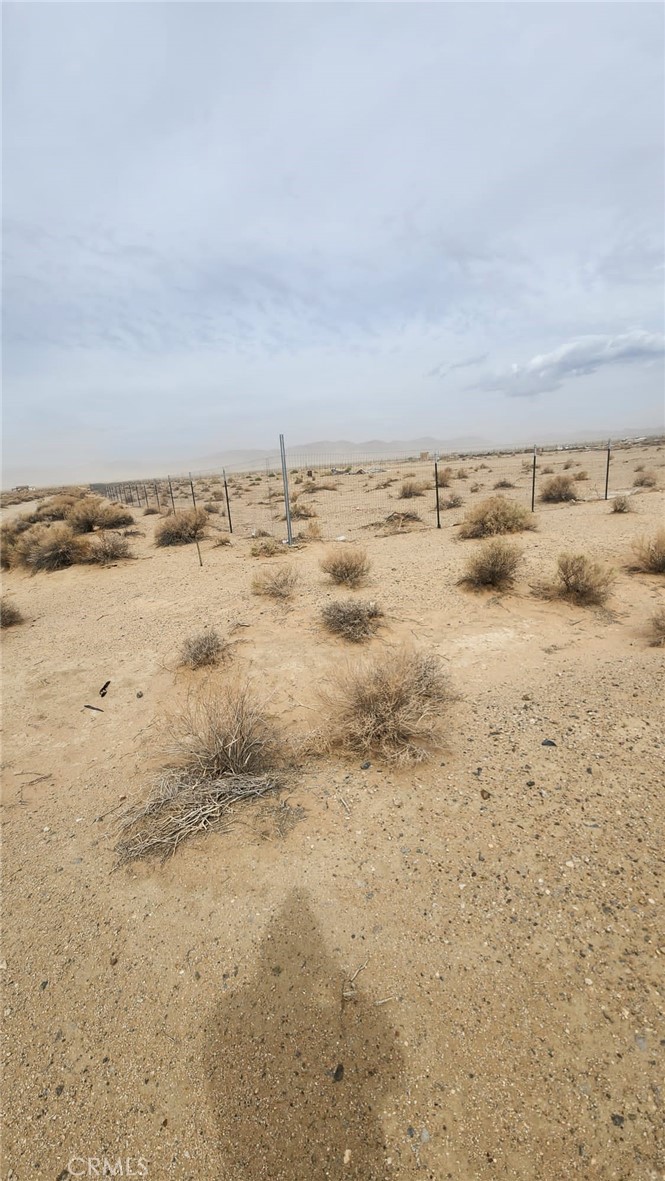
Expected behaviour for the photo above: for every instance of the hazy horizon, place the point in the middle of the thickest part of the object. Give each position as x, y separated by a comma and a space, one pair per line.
335, 221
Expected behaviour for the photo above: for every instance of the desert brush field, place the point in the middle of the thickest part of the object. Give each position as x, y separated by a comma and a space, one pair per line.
344, 861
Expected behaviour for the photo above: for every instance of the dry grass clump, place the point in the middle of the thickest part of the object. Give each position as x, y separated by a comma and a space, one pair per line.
503, 483
107, 548
650, 553
301, 511
568, 464
276, 583
222, 539
267, 547
150, 511
462, 473
389, 706
622, 504
558, 490
657, 629
211, 506
346, 565
202, 650
354, 620
9, 614
444, 477
49, 548
645, 480
496, 515
411, 488
452, 501
223, 748
181, 528
90, 513
113, 516
475, 487
311, 532
582, 580
495, 564
398, 522
581, 476
546, 471
320, 486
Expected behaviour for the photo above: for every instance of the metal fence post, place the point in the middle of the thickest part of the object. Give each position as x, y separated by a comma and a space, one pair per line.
533, 482
285, 481
607, 469
171, 491
228, 503
436, 485
191, 484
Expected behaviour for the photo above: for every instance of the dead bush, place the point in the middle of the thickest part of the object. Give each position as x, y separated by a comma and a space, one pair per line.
267, 547
568, 464
277, 583
150, 511
49, 548
302, 512
453, 501
222, 539
462, 474
582, 580
389, 706
202, 650
558, 490
353, 620
622, 504
181, 528
503, 483
650, 553
496, 515
495, 564
411, 488
114, 516
657, 629
223, 748
311, 532
475, 487
546, 471
346, 565
581, 476
645, 480
640, 467
107, 548
444, 477
9, 614
211, 506
83, 516
399, 522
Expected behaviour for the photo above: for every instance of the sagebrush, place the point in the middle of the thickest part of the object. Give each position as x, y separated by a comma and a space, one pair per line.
346, 565
276, 583
353, 620
582, 580
203, 649
650, 553
494, 516
9, 613
558, 490
181, 528
494, 564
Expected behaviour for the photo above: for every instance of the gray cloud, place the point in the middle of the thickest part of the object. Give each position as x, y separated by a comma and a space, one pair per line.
578, 358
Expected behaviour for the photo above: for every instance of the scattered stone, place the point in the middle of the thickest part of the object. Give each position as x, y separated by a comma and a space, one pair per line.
139, 693
339, 1073
547, 742
485, 793
618, 1120
424, 1136
365, 766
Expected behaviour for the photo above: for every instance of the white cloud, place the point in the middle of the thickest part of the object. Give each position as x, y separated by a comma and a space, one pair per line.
577, 358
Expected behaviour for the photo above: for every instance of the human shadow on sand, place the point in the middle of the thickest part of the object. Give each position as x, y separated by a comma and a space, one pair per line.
299, 1073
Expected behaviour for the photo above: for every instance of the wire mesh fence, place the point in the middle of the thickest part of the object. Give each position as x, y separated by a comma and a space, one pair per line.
332, 495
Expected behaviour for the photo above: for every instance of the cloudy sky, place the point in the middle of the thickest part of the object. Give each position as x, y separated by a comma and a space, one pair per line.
339, 221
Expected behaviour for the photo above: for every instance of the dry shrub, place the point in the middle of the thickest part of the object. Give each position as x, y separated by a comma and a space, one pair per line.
453, 501
9, 614
301, 512
222, 539
211, 506
389, 706
495, 564
622, 504
411, 488
107, 548
276, 583
202, 650
113, 516
657, 629
321, 486
650, 553
444, 477
640, 467
223, 747
582, 580
504, 484
546, 471
496, 515
581, 476
181, 528
559, 489
355, 621
56, 508
48, 548
150, 511
475, 487
568, 464
311, 532
398, 522
645, 480
348, 566
267, 547
462, 474
83, 516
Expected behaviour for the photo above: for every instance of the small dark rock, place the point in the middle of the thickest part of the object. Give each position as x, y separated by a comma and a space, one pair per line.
531, 783
339, 1073
139, 693
43, 985
60, 1088
618, 1120
484, 793
547, 742
410, 1132
365, 766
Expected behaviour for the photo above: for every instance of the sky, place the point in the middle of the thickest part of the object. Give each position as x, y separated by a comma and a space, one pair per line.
336, 221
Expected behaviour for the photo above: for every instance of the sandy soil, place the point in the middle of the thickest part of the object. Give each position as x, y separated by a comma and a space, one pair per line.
502, 900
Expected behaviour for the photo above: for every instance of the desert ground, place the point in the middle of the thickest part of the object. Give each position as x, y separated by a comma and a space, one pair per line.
447, 970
